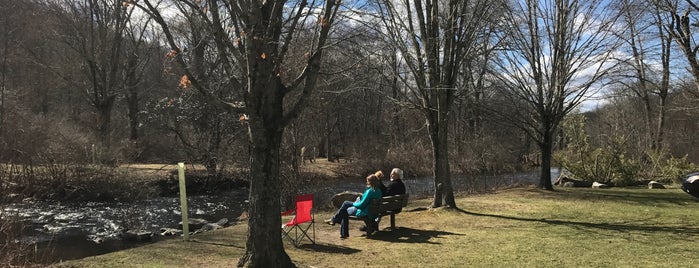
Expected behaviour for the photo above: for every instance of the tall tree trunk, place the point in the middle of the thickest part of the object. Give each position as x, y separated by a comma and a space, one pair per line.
641, 89
546, 147
104, 110
264, 246
438, 128
666, 45
660, 133
132, 103
648, 118
211, 158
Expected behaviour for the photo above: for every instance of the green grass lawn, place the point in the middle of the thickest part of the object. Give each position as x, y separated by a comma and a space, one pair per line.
522, 227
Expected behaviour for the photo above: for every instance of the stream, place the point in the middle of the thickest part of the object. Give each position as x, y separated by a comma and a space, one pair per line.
64, 231
70, 231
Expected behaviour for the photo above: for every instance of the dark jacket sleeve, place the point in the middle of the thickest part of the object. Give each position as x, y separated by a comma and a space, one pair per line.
384, 190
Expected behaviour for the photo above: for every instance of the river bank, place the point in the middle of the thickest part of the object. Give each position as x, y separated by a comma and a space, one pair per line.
70, 230
516, 227
61, 212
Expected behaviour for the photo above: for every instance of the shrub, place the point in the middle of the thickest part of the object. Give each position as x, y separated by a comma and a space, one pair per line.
64, 182
666, 168
602, 165
13, 253
608, 164
611, 163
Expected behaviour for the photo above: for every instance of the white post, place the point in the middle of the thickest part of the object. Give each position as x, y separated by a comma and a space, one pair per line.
183, 202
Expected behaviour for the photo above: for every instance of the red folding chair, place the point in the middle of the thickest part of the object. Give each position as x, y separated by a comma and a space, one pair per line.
297, 228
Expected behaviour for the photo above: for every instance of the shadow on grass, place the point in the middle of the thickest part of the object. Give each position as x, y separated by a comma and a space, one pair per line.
215, 243
635, 195
600, 226
328, 248
409, 235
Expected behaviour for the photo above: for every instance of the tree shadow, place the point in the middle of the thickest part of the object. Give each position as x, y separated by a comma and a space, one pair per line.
619, 227
318, 247
327, 248
409, 235
215, 243
634, 195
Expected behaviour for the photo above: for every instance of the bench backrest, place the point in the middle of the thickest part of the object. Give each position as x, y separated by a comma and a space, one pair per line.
389, 203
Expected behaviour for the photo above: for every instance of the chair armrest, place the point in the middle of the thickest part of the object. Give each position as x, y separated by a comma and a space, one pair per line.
289, 212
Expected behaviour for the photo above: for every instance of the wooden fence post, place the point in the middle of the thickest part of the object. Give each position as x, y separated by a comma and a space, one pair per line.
183, 202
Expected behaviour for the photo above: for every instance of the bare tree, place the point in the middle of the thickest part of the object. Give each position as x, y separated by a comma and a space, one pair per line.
96, 32
648, 41
252, 39
200, 122
663, 88
140, 44
434, 39
681, 30
632, 14
556, 52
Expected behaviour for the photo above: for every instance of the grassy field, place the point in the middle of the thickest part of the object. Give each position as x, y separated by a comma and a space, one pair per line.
521, 227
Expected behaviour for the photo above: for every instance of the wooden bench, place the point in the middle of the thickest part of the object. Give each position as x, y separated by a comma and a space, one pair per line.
389, 205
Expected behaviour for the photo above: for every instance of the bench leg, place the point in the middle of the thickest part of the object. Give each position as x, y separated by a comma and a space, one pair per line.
393, 222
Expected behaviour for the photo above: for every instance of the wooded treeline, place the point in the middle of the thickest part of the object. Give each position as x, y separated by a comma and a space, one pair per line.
93, 80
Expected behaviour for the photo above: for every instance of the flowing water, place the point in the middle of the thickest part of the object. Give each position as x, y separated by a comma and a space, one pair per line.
69, 231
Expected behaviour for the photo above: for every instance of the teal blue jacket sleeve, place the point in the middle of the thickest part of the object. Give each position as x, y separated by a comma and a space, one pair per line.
369, 194
366, 199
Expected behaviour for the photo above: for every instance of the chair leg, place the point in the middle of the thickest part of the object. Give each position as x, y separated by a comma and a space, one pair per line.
287, 233
304, 233
299, 233
313, 222
296, 235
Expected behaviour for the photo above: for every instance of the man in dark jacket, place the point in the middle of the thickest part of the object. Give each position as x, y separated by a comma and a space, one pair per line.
396, 186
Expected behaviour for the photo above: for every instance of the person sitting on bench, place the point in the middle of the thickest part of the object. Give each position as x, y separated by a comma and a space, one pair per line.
359, 208
396, 186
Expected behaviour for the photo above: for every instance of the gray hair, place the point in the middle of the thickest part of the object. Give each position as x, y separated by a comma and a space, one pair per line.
399, 172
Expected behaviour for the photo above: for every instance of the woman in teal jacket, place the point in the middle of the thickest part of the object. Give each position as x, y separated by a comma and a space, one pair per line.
359, 208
